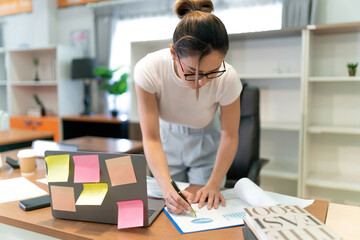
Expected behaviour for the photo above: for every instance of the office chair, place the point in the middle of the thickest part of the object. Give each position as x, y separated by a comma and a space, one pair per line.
247, 162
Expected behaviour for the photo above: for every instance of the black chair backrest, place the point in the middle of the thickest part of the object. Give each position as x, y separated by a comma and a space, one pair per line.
249, 133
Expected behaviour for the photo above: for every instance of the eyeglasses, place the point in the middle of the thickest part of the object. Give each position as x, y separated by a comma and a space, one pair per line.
211, 75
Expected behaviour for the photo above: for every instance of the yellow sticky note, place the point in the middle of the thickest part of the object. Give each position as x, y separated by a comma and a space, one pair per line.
92, 194
58, 168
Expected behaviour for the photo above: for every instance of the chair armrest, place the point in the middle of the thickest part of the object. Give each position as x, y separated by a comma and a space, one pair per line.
255, 168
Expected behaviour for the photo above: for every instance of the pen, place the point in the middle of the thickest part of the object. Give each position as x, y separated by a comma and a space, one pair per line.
181, 195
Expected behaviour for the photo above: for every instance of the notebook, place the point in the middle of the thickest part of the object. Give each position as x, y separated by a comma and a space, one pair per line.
100, 187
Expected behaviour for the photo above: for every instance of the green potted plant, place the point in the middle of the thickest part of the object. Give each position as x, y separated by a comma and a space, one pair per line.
113, 87
36, 65
352, 68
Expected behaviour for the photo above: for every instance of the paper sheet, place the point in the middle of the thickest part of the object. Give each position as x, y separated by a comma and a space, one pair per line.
62, 198
244, 194
154, 191
87, 169
229, 216
258, 197
18, 189
130, 214
121, 170
92, 194
58, 168
42, 180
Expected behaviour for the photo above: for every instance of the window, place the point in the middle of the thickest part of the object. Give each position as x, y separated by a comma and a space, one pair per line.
254, 17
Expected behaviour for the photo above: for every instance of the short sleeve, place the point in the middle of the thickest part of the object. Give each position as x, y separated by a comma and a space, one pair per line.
144, 75
229, 88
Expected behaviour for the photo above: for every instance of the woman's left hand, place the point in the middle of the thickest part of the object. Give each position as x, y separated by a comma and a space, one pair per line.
213, 196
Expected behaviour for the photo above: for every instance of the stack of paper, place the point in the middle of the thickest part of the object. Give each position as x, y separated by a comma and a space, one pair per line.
18, 189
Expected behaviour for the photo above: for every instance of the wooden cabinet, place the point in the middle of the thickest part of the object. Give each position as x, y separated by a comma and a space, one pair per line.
44, 124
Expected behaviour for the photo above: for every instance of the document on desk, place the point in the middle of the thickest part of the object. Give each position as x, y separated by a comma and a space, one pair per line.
229, 216
18, 189
244, 194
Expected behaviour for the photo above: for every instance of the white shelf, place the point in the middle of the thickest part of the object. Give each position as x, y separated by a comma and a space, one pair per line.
280, 126
334, 181
34, 83
270, 76
280, 171
334, 79
334, 129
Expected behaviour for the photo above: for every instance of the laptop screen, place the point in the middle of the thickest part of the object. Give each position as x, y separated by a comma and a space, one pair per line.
98, 187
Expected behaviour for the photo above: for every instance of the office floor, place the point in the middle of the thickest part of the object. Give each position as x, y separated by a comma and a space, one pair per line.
13, 233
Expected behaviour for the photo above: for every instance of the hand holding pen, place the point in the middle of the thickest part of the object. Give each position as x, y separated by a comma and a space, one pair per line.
181, 195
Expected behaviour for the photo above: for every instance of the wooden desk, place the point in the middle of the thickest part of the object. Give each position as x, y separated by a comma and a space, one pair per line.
19, 138
95, 125
344, 220
103, 144
41, 220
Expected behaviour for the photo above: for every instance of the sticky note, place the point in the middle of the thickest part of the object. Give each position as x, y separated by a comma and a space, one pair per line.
130, 214
92, 194
62, 198
58, 168
87, 168
121, 170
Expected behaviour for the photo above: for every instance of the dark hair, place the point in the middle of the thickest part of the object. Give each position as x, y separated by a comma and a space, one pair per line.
199, 31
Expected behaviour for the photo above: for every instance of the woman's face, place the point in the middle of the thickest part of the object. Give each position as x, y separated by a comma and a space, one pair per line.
187, 65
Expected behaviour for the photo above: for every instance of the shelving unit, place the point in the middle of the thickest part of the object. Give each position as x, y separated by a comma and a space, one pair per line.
272, 61
310, 111
3, 82
332, 115
60, 94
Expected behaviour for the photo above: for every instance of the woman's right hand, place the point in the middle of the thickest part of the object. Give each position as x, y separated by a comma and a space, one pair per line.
175, 203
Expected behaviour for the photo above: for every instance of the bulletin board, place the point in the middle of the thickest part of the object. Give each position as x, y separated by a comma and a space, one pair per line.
68, 3
9, 7
98, 187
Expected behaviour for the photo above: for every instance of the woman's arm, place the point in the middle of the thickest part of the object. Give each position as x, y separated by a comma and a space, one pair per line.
230, 118
155, 156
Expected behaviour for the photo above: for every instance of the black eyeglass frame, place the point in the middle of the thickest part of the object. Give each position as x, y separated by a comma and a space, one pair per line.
201, 75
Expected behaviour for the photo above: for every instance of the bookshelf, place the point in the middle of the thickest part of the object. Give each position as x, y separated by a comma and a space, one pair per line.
3, 82
60, 94
272, 61
310, 107
332, 115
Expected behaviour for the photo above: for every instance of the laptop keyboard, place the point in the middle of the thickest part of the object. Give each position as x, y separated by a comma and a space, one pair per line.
151, 212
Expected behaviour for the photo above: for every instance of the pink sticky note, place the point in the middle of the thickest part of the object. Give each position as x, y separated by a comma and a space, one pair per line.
130, 214
121, 170
63, 198
87, 169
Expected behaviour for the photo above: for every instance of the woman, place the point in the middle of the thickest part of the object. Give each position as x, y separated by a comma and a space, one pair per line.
184, 87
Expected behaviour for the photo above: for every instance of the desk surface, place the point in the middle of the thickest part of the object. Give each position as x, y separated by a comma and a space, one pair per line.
99, 118
103, 144
41, 220
12, 136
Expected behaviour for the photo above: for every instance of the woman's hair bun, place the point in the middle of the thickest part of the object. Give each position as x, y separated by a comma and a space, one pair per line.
183, 7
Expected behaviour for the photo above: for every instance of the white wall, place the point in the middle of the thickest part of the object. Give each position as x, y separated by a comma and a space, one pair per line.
47, 25
72, 19
337, 11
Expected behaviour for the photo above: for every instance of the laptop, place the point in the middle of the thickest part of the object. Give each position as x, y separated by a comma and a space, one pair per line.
125, 199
